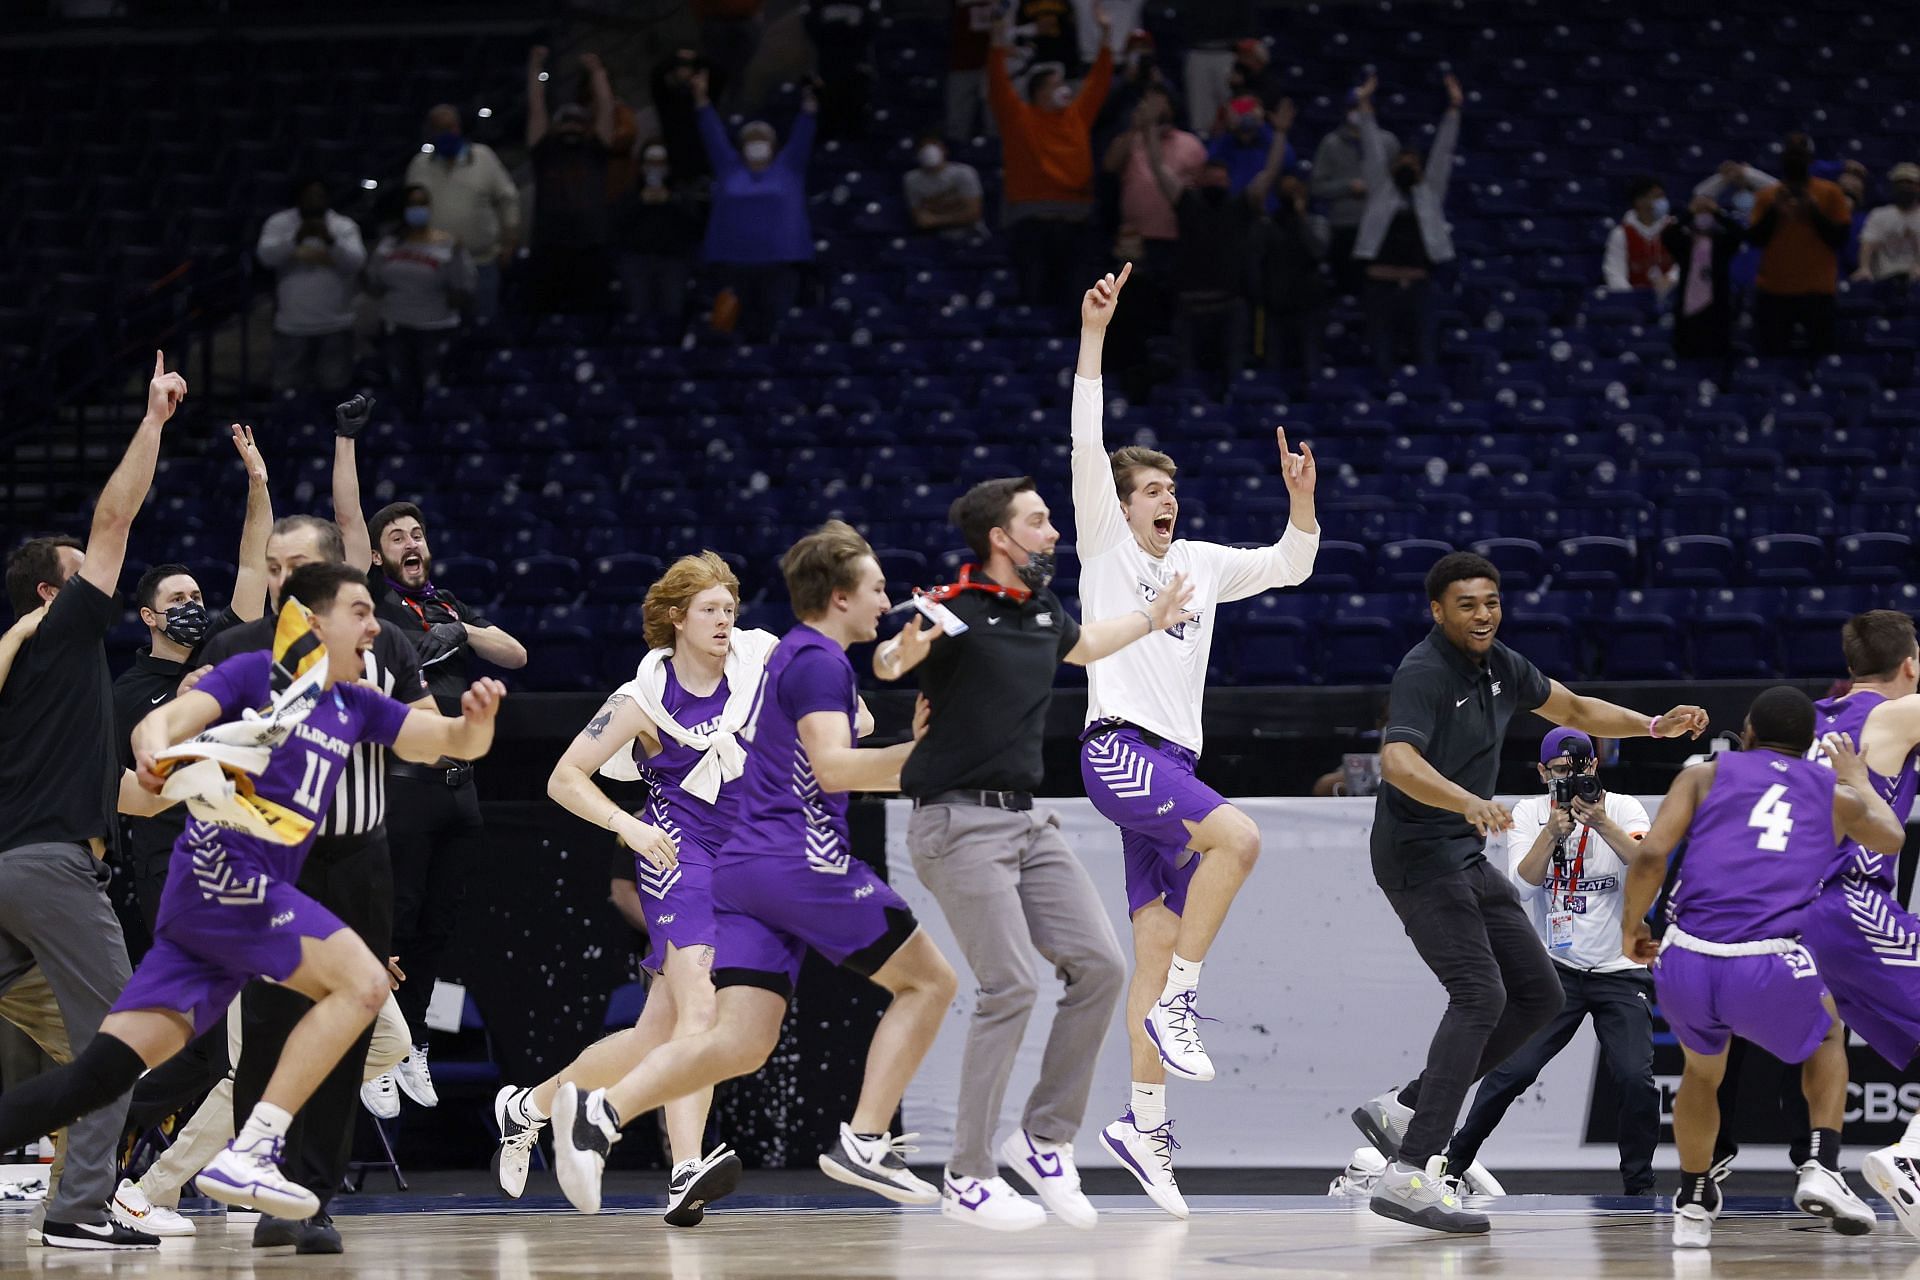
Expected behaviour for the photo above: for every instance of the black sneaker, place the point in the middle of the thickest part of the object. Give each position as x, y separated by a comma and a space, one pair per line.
318, 1235
95, 1235
698, 1183
272, 1233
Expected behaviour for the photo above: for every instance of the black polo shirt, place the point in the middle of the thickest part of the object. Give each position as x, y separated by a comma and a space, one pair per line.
148, 684
990, 688
413, 614
1456, 711
59, 773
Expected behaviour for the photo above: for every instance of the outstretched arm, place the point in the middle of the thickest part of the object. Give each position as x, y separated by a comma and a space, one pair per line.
127, 487
1245, 571
1440, 155
250, 577
1096, 507
497, 647
1604, 719
602, 91
619, 722
349, 419
1110, 635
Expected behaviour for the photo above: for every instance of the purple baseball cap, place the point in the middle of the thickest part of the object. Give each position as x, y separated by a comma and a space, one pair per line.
1554, 745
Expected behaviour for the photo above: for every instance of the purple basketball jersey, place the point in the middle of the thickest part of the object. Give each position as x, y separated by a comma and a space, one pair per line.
1760, 842
303, 774
783, 809
1848, 715
698, 826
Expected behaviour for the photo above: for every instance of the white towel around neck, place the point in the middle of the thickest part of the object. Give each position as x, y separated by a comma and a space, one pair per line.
722, 758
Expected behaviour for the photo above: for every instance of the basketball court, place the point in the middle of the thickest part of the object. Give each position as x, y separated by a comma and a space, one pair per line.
1552, 1237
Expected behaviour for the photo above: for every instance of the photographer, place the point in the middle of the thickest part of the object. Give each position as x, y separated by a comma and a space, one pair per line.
1566, 853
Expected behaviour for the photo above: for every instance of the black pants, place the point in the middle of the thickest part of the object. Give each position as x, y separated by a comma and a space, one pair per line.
1348, 272
1784, 323
1399, 324
1471, 930
182, 1081
1050, 258
351, 877
1622, 1008
436, 835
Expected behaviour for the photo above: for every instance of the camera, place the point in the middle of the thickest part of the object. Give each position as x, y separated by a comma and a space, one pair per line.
1579, 784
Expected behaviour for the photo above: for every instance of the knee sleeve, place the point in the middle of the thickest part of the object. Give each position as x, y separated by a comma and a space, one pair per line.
105, 1069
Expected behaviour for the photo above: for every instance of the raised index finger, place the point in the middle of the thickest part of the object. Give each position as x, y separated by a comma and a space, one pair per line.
159, 364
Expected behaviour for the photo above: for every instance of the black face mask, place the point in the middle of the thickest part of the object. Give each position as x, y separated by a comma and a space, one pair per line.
1406, 177
187, 624
1038, 571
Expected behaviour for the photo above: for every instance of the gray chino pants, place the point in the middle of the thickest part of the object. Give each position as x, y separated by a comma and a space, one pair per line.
1014, 893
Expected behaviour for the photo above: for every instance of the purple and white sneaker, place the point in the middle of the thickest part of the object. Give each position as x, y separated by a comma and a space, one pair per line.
1173, 1024
989, 1203
1048, 1168
1148, 1155
250, 1178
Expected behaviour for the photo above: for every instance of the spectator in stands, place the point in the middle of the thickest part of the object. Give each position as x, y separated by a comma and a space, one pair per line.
1244, 144
317, 254
1047, 167
1636, 259
1252, 75
1209, 275
572, 226
943, 195
1852, 181
1212, 31
1340, 184
1052, 30
623, 148
1734, 184
970, 35
1890, 240
1144, 204
1403, 234
1288, 249
730, 33
842, 35
673, 103
759, 234
1800, 224
423, 277
658, 228
1703, 246
473, 200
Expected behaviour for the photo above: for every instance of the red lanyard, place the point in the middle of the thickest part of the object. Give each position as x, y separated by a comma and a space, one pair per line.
941, 595
1579, 867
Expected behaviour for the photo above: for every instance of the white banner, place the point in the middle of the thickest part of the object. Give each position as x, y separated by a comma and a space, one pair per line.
1321, 1002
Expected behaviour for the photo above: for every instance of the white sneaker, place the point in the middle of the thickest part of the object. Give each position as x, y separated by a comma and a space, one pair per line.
1173, 1024
1895, 1173
250, 1177
1148, 1155
1825, 1194
414, 1079
1422, 1198
1476, 1181
1384, 1120
380, 1096
1048, 1168
989, 1203
697, 1183
878, 1165
1355, 1182
132, 1210
584, 1130
517, 1137
1692, 1227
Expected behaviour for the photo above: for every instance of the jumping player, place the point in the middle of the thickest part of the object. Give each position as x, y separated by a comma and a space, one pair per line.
230, 912
674, 725
1761, 828
785, 881
1187, 850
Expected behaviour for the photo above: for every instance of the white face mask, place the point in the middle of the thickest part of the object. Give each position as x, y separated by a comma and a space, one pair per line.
759, 151
931, 157
1063, 96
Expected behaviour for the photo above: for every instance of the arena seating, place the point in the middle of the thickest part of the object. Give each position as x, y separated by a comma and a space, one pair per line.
1654, 518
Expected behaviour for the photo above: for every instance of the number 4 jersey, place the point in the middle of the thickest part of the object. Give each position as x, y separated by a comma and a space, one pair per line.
303, 774
1759, 845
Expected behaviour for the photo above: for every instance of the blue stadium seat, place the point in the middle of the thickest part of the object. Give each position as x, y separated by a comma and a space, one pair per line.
1879, 558
542, 580
1594, 562
1341, 566
473, 578
623, 578
1786, 559
1693, 560
1522, 562
1404, 565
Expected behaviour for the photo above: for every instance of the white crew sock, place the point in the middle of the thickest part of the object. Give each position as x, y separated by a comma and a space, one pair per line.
267, 1121
530, 1112
1182, 975
1149, 1103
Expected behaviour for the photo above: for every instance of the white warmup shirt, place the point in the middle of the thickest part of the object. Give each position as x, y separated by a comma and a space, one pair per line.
1159, 682
1595, 897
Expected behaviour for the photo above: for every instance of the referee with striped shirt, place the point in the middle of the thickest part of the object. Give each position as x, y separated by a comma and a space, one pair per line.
350, 873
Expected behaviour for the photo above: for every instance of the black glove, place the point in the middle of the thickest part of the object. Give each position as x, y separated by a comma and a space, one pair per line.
441, 639
350, 417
